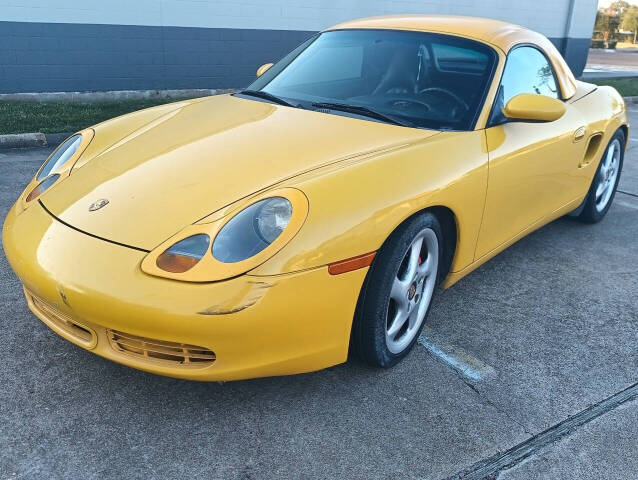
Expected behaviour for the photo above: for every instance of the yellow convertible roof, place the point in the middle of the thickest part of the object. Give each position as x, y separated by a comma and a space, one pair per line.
499, 34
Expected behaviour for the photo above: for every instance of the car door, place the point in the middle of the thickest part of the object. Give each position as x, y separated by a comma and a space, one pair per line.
532, 166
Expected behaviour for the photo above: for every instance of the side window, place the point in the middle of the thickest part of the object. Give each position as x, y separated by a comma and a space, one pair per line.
527, 71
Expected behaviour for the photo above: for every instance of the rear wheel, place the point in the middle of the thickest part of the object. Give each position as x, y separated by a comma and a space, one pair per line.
396, 296
603, 187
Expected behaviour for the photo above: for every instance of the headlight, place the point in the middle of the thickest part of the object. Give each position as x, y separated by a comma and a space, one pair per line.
58, 165
243, 238
252, 230
60, 156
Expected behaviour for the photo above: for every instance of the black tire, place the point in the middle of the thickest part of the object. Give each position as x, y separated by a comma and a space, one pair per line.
590, 212
368, 338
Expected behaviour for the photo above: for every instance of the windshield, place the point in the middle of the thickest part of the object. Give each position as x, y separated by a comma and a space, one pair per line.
425, 80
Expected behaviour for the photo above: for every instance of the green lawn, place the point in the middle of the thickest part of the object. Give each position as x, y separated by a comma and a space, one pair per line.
26, 117
628, 87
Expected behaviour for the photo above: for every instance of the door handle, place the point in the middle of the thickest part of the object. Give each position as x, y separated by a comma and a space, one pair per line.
579, 134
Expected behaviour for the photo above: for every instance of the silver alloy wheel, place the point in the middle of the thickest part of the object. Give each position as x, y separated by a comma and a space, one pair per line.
608, 175
412, 290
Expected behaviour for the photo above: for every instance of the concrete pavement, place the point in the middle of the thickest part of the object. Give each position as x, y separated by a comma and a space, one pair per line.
597, 450
550, 325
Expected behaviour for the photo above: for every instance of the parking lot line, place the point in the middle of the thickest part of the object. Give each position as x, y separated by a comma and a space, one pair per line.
625, 203
455, 357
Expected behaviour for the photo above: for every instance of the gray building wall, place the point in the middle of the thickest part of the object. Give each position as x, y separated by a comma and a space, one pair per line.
60, 57
93, 45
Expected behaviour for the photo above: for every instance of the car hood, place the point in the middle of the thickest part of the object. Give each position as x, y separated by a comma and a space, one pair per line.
202, 156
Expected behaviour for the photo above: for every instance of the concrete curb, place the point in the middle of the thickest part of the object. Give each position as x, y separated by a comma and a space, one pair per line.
22, 140
110, 96
30, 140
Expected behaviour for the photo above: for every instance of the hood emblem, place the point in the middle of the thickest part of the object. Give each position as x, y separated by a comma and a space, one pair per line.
102, 202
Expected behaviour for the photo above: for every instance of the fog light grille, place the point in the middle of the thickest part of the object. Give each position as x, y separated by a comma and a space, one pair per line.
158, 350
63, 323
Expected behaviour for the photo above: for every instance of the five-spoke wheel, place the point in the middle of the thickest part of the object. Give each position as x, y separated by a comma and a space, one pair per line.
412, 290
608, 173
397, 294
603, 186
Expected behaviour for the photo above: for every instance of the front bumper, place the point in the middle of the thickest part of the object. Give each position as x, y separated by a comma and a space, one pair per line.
253, 326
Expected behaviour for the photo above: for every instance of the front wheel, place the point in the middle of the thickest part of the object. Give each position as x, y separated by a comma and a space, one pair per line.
396, 296
603, 187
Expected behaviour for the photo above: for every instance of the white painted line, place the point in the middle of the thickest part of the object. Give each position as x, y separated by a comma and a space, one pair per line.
455, 357
625, 203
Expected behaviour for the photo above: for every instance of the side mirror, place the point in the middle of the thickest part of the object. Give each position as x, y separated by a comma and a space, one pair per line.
263, 69
536, 108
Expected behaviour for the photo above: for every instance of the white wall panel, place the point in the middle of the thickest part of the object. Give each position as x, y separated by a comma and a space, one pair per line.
546, 16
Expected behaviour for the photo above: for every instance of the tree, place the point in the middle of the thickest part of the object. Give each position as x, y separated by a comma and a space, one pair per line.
607, 24
630, 20
618, 8
608, 19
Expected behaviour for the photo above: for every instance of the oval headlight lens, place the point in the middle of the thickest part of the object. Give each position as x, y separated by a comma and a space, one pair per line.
60, 156
252, 230
184, 255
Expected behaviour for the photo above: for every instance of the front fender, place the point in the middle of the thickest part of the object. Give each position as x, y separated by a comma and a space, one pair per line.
355, 207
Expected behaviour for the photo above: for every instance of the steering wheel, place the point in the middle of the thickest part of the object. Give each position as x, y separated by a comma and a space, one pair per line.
462, 103
399, 103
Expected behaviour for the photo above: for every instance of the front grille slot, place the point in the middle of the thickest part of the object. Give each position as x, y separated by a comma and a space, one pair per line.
75, 331
158, 350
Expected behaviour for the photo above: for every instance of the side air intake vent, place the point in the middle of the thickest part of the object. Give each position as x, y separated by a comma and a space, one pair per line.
593, 146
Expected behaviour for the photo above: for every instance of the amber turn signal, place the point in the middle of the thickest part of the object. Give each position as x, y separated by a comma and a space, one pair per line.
184, 255
351, 264
176, 263
42, 187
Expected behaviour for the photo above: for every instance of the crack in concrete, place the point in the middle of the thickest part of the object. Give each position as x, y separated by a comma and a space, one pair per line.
492, 467
489, 402
466, 367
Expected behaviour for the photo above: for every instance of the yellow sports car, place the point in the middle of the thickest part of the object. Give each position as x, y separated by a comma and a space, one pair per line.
270, 231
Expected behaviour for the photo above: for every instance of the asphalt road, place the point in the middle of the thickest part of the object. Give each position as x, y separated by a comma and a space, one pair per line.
545, 333
616, 58
611, 63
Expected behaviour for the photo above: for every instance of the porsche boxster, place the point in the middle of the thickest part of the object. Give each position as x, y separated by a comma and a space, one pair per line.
276, 229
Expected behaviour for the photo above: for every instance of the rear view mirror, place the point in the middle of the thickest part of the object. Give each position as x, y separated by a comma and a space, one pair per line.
536, 108
263, 69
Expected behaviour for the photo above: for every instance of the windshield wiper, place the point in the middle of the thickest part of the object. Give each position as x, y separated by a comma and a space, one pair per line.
266, 96
361, 110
